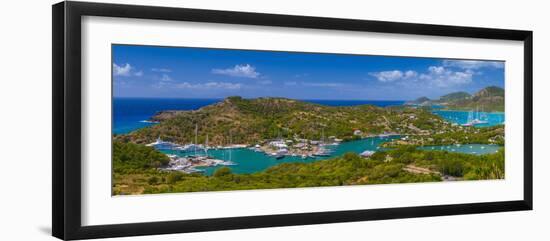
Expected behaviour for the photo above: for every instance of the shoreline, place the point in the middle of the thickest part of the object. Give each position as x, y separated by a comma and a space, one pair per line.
189, 162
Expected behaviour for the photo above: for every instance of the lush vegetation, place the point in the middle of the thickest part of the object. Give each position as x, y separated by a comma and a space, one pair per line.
486, 135
455, 96
455, 135
134, 158
467, 166
249, 121
349, 169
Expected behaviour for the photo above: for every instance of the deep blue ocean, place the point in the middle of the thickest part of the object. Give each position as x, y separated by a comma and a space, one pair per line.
132, 113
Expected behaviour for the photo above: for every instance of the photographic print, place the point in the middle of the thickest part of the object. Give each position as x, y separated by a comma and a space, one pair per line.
188, 119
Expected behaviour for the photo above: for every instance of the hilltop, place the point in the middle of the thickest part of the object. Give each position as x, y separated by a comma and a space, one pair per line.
248, 121
455, 96
420, 101
487, 99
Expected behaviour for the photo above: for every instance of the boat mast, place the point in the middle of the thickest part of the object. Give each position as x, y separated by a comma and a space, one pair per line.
206, 145
196, 142
230, 144
223, 149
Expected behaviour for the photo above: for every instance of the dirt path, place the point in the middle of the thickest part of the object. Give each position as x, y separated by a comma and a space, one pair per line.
419, 170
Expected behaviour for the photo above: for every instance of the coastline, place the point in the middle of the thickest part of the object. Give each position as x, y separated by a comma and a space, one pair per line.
314, 149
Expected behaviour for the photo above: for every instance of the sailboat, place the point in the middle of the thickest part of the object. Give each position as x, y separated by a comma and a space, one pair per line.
322, 151
470, 118
476, 118
479, 119
193, 147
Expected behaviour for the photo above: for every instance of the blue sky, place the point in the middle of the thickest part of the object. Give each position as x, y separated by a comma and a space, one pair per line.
176, 72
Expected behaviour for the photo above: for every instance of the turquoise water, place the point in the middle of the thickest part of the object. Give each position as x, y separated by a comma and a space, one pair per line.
477, 149
249, 161
461, 117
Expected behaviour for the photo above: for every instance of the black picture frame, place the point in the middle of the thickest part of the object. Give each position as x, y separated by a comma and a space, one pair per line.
66, 75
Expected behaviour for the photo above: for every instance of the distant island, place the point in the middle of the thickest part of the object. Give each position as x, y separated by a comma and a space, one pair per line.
487, 99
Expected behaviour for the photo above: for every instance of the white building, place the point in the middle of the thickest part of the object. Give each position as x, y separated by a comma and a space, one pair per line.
278, 144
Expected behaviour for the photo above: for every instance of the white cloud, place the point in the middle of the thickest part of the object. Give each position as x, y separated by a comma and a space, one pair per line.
410, 74
122, 70
125, 70
393, 75
473, 64
442, 77
437, 70
439, 76
162, 70
245, 71
209, 85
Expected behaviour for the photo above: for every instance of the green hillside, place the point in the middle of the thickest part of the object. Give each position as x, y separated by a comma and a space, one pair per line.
401, 165
249, 121
455, 96
487, 99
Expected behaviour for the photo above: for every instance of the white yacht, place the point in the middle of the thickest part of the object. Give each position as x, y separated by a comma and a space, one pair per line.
162, 145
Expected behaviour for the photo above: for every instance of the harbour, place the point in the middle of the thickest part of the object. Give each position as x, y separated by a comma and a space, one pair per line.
245, 160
